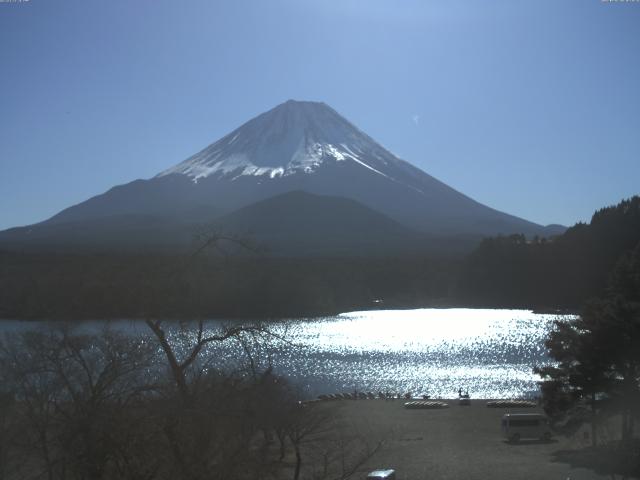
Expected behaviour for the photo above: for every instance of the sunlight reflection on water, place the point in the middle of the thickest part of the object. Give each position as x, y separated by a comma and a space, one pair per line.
490, 353
428, 351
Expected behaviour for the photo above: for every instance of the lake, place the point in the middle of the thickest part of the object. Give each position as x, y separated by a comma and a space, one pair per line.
490, 353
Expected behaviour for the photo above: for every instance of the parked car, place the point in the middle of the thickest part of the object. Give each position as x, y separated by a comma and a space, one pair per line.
382, 475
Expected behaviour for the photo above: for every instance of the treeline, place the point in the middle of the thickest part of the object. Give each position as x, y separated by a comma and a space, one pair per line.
561, 272
84, 286
112, 406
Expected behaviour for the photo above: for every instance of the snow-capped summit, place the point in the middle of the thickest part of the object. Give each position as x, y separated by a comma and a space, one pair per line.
294, 137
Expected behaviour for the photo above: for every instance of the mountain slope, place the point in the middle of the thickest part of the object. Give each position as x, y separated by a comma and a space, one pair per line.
122, 232
291, 224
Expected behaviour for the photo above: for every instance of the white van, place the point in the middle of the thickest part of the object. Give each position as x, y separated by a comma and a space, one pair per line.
518, 426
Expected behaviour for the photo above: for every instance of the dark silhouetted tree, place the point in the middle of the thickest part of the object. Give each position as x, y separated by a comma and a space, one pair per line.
598, 353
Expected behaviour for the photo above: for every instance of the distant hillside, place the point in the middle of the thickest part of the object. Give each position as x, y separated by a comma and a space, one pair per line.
291, 224
564, 271
300, 223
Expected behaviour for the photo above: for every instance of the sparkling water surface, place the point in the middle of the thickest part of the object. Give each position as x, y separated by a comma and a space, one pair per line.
490, 353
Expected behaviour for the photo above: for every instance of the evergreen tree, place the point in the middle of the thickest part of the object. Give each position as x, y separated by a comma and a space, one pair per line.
598, 354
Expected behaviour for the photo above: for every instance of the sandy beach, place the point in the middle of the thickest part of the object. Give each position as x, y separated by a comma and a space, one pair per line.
458, 443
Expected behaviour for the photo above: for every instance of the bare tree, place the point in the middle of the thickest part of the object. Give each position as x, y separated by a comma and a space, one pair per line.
73, 393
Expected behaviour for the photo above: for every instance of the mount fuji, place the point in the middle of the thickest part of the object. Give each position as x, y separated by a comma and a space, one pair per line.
297, 146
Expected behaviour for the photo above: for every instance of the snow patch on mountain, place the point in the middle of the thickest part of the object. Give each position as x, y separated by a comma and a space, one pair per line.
304, 160
292, 138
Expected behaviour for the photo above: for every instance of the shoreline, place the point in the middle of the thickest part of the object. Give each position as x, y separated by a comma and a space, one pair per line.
305, 316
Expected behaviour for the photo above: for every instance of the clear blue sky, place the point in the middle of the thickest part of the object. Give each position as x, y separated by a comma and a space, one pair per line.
531, 107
